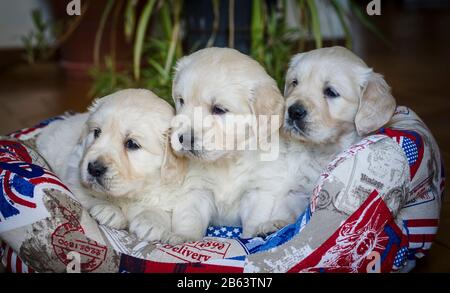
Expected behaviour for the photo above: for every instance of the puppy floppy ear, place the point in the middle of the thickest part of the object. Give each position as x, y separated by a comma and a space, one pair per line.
376, 107
267, 100
173, 168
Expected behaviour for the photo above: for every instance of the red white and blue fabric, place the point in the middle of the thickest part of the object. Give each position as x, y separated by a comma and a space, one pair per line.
420, 233
228, 265
401, 258
15, 175
411, 143
11, 261
223, 231
130, 264
372, 226
30, 132
258, 244
20, 202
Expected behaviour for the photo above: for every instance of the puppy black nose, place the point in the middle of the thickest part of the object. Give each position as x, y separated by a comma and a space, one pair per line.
97, 169
187, 140
297, 112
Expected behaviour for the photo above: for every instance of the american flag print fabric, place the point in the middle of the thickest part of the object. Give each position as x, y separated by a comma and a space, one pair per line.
21, 186
11, 261
348, 227
411, 143
31, 132
420, 233
223, 231
369, 231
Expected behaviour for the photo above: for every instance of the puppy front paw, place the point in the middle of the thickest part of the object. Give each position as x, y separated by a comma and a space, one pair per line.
270, 227
149, 227
109, 215
263, 229
175, 239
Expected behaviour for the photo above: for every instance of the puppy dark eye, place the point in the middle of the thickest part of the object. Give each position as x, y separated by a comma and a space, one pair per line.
217, 110
97, 132
330, 92
294, 83
181, 101
132, 145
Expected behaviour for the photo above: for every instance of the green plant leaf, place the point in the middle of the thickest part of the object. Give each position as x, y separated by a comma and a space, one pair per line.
166, 19
257, 30
130, 19
216, 22
27, 42
101, 28
157, 44
158, 67
340, 12
140, 35
315, 22
272, 42
173, 40
108, 80
38, 20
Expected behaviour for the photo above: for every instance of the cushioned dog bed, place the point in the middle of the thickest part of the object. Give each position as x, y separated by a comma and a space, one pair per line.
375, 208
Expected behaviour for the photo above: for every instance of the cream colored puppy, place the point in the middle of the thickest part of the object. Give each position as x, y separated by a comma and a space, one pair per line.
117, 161
333, 99
232, 183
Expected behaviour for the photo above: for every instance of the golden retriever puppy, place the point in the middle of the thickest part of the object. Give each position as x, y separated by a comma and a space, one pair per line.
229, 111
333, 99
117, 161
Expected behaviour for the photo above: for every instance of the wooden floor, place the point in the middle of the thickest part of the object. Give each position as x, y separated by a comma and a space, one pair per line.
417, 66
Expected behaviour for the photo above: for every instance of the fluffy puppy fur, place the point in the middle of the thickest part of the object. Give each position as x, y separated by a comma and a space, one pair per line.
333, 99
118, 162
223, 186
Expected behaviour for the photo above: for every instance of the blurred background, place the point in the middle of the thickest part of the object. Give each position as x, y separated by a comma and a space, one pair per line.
51, 62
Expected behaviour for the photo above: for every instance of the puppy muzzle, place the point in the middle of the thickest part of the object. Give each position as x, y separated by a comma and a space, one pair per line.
295, 118
187, 141
185, 144
96, 176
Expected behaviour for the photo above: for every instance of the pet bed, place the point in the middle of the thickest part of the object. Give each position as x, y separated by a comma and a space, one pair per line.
375, 208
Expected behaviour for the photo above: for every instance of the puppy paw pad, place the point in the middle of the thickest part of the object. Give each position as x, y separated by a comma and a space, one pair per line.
109, 215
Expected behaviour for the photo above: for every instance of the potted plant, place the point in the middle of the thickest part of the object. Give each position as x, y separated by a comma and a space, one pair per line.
135, 43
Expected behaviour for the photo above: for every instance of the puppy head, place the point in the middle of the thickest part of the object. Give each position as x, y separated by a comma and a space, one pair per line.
331, 92
217, 92
126, 143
